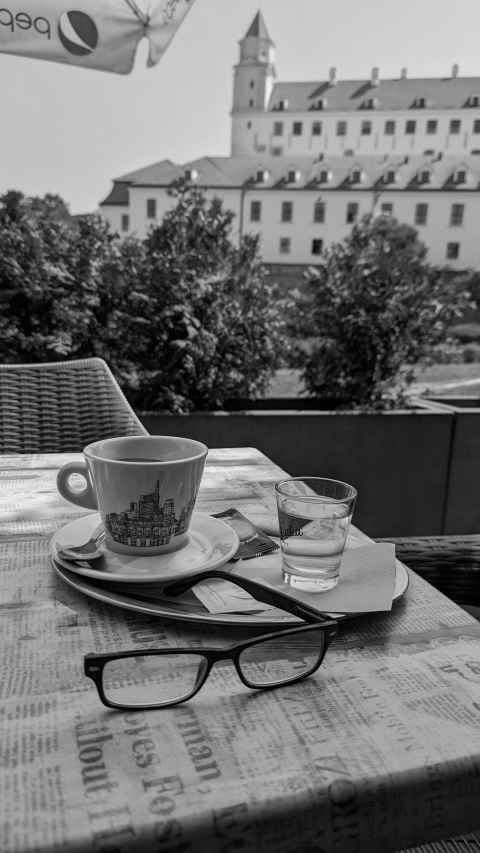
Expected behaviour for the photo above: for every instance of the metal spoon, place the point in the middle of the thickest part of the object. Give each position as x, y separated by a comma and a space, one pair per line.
90, 550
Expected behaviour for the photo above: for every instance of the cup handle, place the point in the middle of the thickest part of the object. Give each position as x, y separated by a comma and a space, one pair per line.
86, 497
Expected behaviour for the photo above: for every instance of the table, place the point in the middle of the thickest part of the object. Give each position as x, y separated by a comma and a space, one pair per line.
379, 750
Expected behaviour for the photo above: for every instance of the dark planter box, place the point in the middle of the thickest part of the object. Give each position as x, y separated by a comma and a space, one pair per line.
399, 461
462, 513
304, 404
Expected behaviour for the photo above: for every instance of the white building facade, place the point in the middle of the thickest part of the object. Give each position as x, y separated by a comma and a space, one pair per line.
308, 159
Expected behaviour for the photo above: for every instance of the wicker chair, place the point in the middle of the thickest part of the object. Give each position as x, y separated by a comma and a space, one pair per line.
61, 406
449, 563
452, 565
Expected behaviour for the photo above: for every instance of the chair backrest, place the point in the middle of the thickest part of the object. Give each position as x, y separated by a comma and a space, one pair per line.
61, 406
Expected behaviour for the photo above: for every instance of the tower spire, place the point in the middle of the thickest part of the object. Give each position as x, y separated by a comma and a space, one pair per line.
258, 28
254, 77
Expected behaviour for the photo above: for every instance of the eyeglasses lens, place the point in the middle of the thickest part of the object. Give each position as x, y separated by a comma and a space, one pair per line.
152, 679
282, 659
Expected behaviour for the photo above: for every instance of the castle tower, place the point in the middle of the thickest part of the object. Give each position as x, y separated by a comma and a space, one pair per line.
253, 80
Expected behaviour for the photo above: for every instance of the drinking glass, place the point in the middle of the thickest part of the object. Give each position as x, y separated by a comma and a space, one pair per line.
314, 515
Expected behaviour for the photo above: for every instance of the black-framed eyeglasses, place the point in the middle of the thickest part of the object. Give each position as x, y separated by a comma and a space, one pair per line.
160, 678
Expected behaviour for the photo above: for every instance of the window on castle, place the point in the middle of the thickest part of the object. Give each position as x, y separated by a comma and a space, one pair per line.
317, 246
249, 125
319, 211
432, 125
474, 101
284, 245
323, 177
251, 102
410, 126
389, 128
461, 176
125, 222
278, 128
255, 211
252, 84
455, 125
366, 128
297, 128
476, 125
453, 251
287, 211
151, 208
456, 214
421, 213
341, 128
387, 208
316, 128
352, 212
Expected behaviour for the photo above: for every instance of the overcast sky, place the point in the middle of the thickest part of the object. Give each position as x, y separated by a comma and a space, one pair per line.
70, 131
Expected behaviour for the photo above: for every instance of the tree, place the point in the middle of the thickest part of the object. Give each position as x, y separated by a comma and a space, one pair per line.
203, 323
184, 317
50, 206
34, 279
373, 308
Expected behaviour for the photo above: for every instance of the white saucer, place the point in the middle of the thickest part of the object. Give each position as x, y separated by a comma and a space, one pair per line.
211, 543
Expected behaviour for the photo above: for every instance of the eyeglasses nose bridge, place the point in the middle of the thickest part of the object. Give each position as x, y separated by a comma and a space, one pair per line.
221, 654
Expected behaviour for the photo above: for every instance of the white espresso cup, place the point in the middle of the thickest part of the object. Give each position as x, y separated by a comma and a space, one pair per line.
144, 488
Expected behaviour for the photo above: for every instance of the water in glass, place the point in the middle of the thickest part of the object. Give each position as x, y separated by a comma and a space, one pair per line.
312, 547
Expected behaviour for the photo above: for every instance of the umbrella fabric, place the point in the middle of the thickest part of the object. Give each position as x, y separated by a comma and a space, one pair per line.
101, 34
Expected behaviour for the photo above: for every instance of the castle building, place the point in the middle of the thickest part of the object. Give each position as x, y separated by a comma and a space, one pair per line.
308, 159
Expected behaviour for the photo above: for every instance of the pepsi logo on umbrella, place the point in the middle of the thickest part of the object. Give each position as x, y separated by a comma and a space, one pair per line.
94, 34
77, 33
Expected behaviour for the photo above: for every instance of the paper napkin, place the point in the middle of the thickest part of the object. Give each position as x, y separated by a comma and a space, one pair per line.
367, 583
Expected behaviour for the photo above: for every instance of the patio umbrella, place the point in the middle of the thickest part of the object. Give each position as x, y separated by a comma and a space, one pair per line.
102, 34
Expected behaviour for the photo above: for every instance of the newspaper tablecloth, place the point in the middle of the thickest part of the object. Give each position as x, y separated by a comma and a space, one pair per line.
378, 751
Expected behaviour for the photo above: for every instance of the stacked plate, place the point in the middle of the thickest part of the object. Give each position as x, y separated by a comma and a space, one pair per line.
79, 556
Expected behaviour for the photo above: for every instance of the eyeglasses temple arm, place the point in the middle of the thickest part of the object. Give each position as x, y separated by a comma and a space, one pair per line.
257, 590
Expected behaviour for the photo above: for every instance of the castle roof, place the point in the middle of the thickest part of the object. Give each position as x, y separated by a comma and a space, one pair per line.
391, 94
118, 195
362, 172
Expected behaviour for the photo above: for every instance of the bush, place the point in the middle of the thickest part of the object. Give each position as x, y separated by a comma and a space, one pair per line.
471, 354
447, 353
184, 318
470, 279
375, 308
